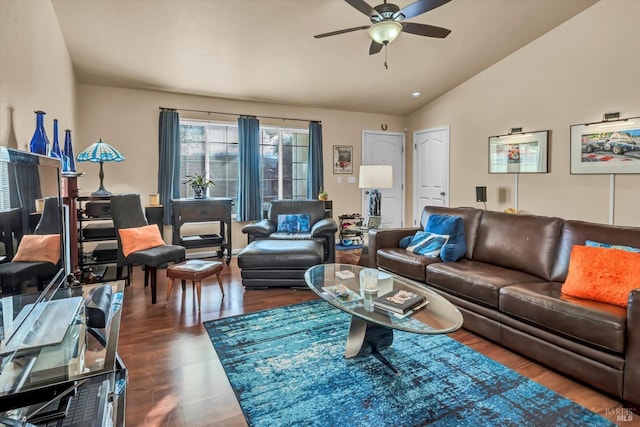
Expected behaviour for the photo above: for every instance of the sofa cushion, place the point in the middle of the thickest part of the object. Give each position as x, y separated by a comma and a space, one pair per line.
601, 274
452, 226
427, 244
473, 280
590, 322
520, 242
404, 263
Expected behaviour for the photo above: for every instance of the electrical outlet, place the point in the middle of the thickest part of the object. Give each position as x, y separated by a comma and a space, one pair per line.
339, 180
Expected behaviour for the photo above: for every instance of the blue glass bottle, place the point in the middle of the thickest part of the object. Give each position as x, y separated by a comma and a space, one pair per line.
68, 159
39, 141
55, 148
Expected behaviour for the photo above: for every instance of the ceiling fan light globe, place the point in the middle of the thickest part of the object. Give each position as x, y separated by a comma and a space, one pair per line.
384, 32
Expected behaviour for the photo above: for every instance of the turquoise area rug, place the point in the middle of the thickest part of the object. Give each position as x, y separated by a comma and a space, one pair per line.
287, 368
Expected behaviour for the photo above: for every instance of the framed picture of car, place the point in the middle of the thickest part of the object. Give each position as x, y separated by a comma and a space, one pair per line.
607, 147
525, 152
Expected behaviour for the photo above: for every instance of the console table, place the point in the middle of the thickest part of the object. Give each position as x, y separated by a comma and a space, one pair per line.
212, 209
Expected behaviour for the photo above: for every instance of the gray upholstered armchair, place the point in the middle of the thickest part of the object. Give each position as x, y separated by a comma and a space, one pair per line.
296, 220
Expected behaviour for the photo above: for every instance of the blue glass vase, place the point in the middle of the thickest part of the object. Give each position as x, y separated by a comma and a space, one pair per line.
68, 159
39, 141
55, 148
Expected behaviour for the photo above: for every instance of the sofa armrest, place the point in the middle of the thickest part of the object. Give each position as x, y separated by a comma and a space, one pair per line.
631, 390
323, 227
262, 228
386, 238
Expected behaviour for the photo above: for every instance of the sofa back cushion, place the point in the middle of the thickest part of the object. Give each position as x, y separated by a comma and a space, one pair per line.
470, 218
313, 208
526, 243
578, 232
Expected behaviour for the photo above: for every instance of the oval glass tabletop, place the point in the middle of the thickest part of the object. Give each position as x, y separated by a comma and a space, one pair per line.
329, 281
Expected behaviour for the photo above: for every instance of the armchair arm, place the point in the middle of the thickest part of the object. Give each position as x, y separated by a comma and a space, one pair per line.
262, 228
323, 227
631, 390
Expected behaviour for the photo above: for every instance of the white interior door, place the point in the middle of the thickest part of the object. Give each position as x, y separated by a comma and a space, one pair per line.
386, 148
430, 169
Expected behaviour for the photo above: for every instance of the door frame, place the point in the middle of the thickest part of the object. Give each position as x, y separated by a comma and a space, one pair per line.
402, 175
417, 210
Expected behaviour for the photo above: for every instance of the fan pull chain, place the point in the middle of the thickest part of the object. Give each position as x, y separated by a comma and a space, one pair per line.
386, 67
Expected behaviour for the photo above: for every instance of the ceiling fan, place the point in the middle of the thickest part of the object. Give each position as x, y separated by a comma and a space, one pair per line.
387, 21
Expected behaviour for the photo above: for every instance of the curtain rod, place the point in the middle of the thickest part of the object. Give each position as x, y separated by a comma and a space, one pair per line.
234, 114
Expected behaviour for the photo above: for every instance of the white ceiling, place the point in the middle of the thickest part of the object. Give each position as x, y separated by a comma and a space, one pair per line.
264, 50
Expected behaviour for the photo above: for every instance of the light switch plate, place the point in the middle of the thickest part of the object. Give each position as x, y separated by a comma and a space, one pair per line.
351, 180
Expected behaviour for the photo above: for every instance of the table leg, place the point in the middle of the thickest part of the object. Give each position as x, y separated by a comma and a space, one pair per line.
364, 335
355, 339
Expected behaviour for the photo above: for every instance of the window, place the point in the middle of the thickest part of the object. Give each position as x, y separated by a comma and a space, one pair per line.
212, 147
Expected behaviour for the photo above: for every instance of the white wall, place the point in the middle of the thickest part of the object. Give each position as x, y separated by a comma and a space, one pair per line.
35, 72
128, 120
571, 75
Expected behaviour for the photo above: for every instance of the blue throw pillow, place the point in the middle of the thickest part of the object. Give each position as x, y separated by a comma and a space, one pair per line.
404, 242
293, 223
453, 226
608, 245
427, 244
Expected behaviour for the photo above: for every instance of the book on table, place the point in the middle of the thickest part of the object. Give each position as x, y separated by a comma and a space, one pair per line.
398, 301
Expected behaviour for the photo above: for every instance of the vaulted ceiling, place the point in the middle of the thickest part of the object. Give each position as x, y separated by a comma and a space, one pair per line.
264, 50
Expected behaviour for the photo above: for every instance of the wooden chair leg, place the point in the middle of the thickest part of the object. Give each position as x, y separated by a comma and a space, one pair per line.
220, 283
169, 289
198, 285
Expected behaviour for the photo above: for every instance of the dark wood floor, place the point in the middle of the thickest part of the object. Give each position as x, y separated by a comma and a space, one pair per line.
176, 379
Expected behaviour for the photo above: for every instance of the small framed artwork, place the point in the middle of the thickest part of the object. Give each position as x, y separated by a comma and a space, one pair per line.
608, 147
343, 159
525, 152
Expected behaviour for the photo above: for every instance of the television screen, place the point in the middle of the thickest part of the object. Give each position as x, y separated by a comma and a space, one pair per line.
30, 204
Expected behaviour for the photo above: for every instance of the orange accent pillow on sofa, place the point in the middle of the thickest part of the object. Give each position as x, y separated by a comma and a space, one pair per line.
140, 238
602, 274
39, 248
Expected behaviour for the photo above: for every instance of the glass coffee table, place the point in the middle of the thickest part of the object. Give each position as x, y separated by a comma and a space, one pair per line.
372, 328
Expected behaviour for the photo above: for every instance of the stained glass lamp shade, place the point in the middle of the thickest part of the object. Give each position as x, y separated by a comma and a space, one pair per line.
100, 152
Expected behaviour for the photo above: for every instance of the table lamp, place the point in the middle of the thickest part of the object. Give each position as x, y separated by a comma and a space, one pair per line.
100, 152
375, 177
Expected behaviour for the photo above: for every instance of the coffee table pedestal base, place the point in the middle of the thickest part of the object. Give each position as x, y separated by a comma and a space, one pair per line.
365, 337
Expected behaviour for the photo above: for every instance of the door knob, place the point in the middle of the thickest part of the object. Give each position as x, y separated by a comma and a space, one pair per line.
442, 193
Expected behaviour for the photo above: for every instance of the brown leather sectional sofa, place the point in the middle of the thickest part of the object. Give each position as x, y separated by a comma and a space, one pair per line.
508, 288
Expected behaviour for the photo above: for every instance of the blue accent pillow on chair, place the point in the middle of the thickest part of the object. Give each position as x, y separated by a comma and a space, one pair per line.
427, 244
293, 223
451, 225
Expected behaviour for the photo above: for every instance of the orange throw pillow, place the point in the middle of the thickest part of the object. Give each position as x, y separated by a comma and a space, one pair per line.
140, 238
602, 274
39, 248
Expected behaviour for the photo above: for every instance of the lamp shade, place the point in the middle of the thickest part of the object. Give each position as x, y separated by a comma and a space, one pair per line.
384, 32
100, 152
375, 176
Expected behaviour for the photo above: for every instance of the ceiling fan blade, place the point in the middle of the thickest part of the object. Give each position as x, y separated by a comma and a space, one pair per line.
375, 47
346, 30
363, 7
419, 7
425, 30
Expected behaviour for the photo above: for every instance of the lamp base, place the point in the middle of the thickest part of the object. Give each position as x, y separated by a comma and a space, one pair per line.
101, 192
375, 200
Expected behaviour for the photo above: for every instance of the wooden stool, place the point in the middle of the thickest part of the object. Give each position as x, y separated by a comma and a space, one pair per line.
194, 270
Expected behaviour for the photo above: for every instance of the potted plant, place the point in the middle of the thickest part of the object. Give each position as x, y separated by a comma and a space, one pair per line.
322, 195
199, 183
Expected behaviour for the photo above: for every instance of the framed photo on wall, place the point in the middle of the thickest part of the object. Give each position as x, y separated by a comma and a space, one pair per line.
525, 152
608, 147
343, 159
